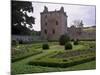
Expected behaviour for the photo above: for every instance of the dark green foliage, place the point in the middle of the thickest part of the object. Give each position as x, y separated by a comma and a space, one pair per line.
72, 53
45, 46
70, 60
92, 45
62, 64
64, 39
20, 18
14, 42
64, 60
13, 73
25, 56
21, 42
72, 39
63, 57
76, 42
68, 46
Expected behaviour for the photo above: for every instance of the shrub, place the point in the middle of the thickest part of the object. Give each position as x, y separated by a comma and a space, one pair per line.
14, 42
72, 39
20, 42
68, 46
45, 46
92, 45
64, 39
76, 42
63, 64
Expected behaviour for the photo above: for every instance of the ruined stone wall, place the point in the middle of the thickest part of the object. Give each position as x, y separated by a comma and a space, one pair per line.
76, 33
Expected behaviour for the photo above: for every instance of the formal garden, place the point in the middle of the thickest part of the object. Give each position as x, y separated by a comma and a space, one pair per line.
58, 56
32, 52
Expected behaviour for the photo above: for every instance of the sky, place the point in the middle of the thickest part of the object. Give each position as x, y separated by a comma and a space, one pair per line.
74, 12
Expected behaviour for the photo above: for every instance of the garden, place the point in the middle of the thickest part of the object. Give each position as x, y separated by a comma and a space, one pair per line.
53, 56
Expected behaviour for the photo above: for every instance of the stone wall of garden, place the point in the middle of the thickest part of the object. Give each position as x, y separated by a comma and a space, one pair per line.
26, 38
76, 33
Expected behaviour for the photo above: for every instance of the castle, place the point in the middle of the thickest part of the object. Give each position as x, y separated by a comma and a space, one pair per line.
54, 24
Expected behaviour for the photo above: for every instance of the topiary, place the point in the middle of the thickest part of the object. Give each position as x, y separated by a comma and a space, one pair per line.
76, 42
64, 39
14, 42
21, 42
45, 46
68, 46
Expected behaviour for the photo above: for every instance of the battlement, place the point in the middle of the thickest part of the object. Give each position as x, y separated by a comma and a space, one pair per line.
46, 11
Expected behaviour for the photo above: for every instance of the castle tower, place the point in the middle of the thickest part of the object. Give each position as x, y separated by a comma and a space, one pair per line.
53, 24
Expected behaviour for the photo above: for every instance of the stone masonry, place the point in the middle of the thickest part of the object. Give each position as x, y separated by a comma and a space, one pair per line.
53, 24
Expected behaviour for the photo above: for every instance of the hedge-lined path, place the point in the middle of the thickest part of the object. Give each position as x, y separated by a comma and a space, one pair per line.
21, 66
24, 62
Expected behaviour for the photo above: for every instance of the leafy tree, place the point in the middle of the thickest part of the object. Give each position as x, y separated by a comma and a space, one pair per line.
78, 23
64, 39
20, 18
76, 42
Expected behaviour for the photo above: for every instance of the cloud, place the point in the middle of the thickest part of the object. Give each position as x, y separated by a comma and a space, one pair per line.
74, 12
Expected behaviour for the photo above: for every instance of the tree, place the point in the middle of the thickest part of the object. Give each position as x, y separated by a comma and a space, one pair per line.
76, 42
78, 23
20, 18
64, 39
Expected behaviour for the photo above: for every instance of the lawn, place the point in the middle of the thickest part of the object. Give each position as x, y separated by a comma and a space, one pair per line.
22, 67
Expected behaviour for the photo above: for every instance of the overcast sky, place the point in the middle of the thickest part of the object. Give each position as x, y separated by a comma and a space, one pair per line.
74, 12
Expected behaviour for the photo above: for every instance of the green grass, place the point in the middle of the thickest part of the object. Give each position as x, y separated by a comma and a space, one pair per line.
39, 69
21, 67
22, 51
90, 29
85, 66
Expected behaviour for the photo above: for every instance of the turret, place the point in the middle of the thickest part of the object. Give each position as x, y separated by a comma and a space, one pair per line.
62, 9
45, 9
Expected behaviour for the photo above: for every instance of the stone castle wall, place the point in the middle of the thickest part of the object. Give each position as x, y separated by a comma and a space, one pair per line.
26, 38
77, 33
53, 24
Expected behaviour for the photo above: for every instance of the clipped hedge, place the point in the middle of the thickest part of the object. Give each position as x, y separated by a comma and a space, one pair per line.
68, 46
64, 39
14, 42
76, 42
26, 56
45, 46
62, 64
